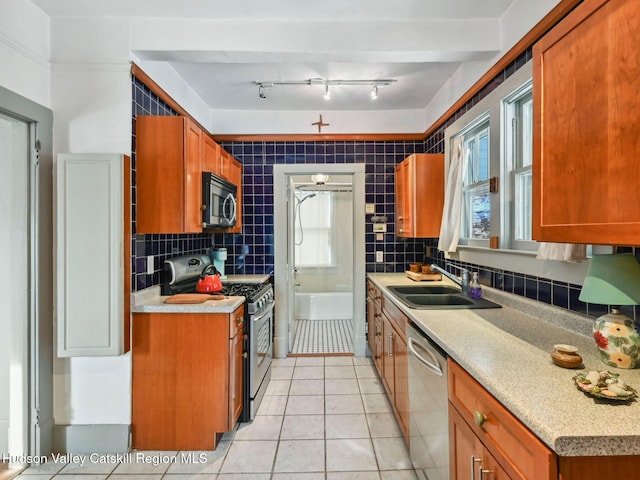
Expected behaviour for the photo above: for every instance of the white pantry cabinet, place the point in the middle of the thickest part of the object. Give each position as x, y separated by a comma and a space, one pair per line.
89, 256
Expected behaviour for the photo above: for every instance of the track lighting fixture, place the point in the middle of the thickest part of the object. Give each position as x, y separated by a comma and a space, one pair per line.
373, 84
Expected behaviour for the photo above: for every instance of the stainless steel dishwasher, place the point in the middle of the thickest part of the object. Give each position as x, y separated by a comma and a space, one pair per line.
428, 407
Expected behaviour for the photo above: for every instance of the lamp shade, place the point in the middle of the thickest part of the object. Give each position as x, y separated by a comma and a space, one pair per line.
612, 280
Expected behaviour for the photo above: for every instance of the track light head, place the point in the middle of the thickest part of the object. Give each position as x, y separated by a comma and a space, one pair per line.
374, 92
327, 93
262, 92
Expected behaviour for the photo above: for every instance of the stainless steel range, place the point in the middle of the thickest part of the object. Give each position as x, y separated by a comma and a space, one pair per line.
181, 274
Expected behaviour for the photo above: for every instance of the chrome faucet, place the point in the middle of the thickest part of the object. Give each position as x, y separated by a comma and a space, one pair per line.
462, 282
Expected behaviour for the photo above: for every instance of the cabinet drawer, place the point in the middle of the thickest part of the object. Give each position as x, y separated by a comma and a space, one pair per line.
236, 321
395, 316
518, 451
373, 292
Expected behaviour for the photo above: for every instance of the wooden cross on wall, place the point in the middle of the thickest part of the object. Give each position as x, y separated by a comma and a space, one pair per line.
320, 124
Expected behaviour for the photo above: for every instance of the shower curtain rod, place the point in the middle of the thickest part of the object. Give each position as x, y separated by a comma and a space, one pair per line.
336, 187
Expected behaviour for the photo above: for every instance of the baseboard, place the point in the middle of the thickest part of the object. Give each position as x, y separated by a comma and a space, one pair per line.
92, 438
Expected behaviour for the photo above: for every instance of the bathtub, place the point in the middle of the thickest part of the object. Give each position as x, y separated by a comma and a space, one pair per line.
324, 305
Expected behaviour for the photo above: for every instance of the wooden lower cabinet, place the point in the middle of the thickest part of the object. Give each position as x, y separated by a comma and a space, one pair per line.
388, 344
469, 459
502, 436
374, 324
187, 379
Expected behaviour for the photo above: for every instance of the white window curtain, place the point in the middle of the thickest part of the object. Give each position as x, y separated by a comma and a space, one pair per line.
562, 252
450, 226
314, 246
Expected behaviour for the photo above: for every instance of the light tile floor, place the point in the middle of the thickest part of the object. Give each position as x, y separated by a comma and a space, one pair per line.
322, 418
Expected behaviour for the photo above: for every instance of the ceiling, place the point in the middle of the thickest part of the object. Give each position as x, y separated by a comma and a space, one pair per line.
419, 43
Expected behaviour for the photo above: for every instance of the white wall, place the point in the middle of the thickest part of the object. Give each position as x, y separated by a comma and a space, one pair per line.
24, 50
521, 17
91, 100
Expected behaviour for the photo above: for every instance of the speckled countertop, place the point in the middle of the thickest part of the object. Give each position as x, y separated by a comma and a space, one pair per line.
149, 300
516, 368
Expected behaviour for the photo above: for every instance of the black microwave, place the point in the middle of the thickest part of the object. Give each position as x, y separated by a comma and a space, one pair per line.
219, 202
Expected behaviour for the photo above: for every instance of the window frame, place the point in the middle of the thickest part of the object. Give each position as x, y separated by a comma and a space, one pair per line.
510, 169
327, 235
476, 126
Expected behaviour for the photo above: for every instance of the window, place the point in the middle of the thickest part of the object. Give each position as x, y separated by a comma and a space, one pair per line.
313, 239
517, 129
497, 139
475, 227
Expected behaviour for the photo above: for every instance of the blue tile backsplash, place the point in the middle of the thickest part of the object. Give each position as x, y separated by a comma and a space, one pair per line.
252, 251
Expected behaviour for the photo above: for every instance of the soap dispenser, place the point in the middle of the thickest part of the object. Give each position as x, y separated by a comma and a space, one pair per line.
475, 290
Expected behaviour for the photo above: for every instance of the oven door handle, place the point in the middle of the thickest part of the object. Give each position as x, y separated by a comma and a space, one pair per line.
265, 313
434, 367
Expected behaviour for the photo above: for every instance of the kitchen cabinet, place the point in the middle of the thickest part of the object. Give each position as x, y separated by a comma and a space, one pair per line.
469, 459
211, 158
374, 324
419, 196
168, 175
92, 311
586, 176
231, 170
237, 357
395, 369
388, 344
187, 378
481, 427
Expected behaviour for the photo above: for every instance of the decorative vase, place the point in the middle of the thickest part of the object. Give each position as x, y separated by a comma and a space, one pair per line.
617, 339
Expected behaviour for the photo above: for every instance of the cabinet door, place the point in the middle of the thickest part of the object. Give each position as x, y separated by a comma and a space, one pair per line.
419, 195
168, 175
234, 175
465, 450
374, 325
236, 369
404, 220
210, 155
586, 176
180, 376
388, 364
193, 178
90, 315
401, 397
468, 458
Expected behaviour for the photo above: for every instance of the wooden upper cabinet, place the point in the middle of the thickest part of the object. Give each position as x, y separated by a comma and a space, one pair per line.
168, 175
232, 171
419, 196
586, 173
210, 155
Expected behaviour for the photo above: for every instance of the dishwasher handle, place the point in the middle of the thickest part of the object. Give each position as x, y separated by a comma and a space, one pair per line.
434, 367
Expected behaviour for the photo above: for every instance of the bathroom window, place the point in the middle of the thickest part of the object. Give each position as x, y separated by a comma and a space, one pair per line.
517, 128
475, 226
313, 239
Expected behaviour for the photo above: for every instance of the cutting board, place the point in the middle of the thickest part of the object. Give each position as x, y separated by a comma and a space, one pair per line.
193, 298
421, 277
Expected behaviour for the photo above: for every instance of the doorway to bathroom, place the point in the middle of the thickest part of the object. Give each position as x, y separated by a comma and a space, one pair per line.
319, 260
322, 258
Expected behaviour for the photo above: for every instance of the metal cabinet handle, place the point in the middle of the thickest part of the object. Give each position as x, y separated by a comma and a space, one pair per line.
479, 418
482, 471
474, 460
390, 344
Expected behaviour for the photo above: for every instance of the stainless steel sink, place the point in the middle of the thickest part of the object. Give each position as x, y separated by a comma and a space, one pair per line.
423, 289
437, 297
